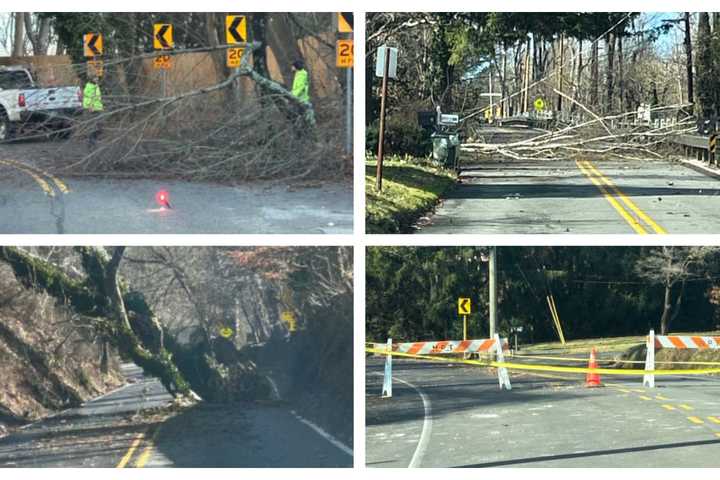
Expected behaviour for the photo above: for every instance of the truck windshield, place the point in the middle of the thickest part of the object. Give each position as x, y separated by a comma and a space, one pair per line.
15, 80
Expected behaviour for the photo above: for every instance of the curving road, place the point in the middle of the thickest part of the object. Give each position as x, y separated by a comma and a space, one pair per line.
34, 200
124, 429
542, 422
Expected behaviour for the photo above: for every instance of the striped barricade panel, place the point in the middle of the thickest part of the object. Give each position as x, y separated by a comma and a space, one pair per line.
680, 342
686, 342
446, 346
488, 345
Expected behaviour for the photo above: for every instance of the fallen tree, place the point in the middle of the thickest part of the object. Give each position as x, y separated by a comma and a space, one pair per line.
122, 317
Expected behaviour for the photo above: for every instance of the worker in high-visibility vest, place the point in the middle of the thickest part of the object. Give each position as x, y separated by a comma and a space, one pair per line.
93, 105
301, 81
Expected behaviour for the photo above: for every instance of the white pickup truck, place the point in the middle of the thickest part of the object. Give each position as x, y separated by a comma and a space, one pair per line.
25, 107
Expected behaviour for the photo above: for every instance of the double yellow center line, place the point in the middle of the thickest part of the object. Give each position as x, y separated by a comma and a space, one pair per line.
145, 454
45, 180
633, 215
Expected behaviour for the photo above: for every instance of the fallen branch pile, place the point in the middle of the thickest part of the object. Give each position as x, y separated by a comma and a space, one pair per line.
613, 135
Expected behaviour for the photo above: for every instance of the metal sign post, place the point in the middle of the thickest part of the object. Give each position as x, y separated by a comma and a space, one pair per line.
349, 112
163, 40
345, 59
464, 309
385, 52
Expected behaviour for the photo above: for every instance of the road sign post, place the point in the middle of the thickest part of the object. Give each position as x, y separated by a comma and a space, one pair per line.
235, 32
345, 59
464, 309
93, 48
385, 56
163, 40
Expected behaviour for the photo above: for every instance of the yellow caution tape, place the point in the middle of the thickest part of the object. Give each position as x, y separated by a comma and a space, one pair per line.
567, 359
549, 368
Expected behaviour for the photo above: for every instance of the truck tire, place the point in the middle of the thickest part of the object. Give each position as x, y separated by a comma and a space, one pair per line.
6, 128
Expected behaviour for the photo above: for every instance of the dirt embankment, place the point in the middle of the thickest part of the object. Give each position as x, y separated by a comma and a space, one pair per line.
47, 363
676, 358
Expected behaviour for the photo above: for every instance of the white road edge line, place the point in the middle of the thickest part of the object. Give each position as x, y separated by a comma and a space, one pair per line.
426, 428
324, 434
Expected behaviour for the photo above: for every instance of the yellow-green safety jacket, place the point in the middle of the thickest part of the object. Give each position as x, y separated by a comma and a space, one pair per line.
301, 85
92, 98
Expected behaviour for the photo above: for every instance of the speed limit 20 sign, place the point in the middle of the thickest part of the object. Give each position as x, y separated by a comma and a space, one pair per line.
344, 54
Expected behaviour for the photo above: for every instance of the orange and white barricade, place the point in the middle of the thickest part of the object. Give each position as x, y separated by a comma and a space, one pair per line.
682, 342
486, 345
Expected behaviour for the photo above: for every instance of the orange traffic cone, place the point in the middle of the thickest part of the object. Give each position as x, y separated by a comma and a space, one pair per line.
592, 379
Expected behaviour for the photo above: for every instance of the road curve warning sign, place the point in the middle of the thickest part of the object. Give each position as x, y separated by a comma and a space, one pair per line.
163, 36
345, 22
289, 318
464, 306
713, 142
92, 44
345, 52
235, 29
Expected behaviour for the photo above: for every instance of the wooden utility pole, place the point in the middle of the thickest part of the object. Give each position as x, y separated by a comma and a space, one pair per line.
560, 72
504, 109
526, 86
689, 59
492, 274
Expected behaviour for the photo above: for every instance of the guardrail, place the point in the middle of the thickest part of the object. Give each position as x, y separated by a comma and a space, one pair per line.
697, 147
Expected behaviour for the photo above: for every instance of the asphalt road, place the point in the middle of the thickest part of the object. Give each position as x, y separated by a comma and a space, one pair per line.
122, 430
565, 196
34, 200
455, 416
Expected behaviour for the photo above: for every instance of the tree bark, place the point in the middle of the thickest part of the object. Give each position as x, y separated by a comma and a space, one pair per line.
594, 75
667, 306
19, 39
610, 50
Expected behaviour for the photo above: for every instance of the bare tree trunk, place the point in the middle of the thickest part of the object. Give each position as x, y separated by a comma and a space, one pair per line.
610, 50
19, 41
665, 319
104, 358
621, 74
594, 74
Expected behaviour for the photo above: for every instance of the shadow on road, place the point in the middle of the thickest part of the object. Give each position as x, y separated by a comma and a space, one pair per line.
244, 435
595, 453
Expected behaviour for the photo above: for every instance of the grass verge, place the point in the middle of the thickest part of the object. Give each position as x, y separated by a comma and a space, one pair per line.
411, 188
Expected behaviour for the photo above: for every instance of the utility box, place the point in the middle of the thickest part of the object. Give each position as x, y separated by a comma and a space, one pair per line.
445, 148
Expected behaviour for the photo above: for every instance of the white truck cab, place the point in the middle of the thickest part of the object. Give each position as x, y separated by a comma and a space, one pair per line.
25, 107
